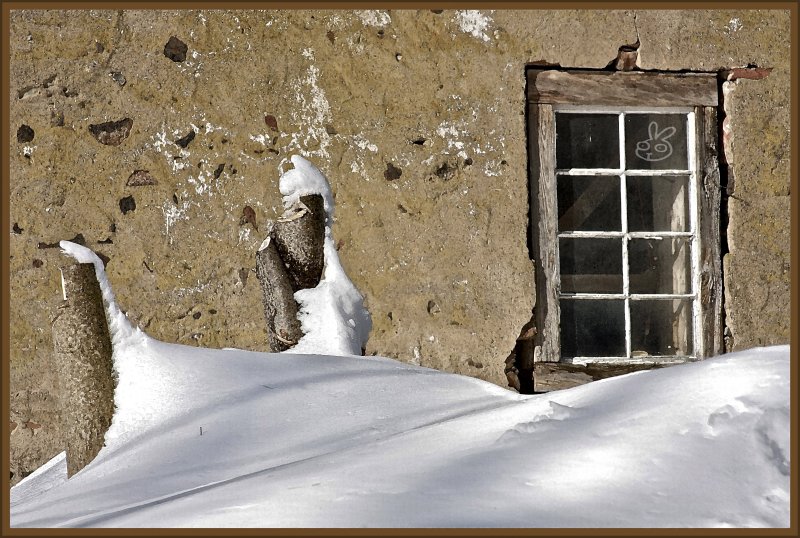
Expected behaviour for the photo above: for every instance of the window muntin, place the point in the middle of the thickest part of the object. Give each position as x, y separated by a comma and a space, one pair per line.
628, 247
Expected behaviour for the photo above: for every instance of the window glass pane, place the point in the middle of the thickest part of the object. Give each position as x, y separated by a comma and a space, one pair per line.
658, 203
587, 140
662, 327
588, 203
659, 266
656, 142
590, 265
592, 328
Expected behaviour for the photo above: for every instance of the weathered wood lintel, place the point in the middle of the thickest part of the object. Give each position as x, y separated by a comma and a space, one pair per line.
621, 88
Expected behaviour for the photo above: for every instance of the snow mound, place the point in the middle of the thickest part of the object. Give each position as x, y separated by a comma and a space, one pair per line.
321, 441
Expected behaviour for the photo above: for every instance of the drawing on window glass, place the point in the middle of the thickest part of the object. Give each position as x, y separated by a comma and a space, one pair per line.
657, 147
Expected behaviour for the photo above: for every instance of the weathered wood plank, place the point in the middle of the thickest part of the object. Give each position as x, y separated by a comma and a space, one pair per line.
709, 196
544, 231
606, 88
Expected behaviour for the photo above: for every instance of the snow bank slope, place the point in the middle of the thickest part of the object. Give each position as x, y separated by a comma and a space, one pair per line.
313, 441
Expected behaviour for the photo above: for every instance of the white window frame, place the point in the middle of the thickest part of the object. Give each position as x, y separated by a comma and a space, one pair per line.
550, 91
626, 236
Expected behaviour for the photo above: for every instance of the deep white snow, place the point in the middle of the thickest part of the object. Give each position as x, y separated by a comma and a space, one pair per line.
328, 439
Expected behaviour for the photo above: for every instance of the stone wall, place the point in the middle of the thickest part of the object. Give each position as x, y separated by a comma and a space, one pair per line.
416, 117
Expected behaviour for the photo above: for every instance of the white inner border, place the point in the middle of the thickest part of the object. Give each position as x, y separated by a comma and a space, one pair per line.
691, 235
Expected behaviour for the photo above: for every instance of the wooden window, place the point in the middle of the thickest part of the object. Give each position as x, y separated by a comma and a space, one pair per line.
624, 220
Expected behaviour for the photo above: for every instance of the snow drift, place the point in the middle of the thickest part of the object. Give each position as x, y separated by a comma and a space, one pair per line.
321, 441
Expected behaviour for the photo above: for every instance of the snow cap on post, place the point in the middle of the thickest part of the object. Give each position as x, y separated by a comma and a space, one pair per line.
302, 180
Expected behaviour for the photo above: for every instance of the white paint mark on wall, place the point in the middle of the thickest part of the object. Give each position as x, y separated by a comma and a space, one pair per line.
311, 116
373, 17
355, 44
244, 235
453, 134
363, 143
28, 150
357, 165
473, 22
173, 214
335, 22
160, 141
735, 24
181, 292
493, 168
202, 183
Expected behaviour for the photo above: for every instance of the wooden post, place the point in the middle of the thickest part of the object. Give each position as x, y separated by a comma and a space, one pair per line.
299, 236
291, 259
280, 308
82, 345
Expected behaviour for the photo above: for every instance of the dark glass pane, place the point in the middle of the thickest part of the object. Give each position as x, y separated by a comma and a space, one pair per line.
592, 328
660, 266
659, 203
662, 327
590, 265
588, 203
655, 142
587, 140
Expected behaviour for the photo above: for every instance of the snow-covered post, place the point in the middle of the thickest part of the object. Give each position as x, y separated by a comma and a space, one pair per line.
292, 258
302, 280
82, 346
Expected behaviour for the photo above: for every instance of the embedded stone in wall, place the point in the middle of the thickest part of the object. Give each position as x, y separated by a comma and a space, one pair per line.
118, 77
186, 140
392, 172
248, 216
127, 204
218, 171
271, 122
24, 134
140, 178
175, 50
112, 133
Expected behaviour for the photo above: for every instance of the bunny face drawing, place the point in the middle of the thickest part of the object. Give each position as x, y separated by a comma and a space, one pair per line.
657, 147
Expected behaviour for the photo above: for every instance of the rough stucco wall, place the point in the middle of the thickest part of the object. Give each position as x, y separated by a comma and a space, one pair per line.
439, 96
758, 284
